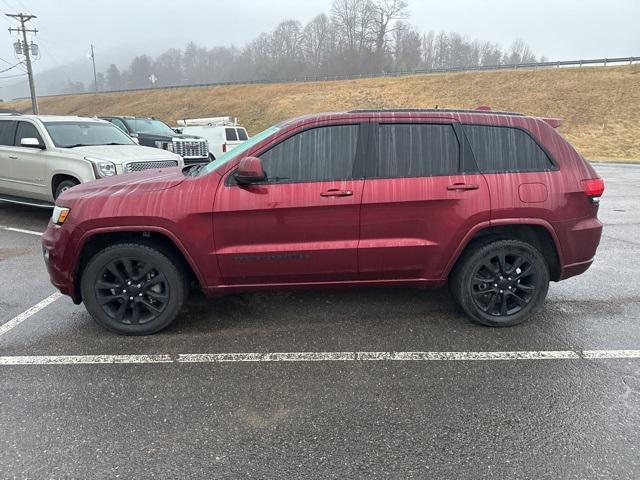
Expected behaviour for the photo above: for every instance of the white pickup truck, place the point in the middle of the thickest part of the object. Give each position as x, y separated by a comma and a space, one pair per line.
42, 156
222, 133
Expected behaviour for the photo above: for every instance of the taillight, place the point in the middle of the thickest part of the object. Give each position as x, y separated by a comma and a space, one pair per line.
593, 188
224, 148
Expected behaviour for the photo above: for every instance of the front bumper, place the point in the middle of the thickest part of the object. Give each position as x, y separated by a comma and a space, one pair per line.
56, 243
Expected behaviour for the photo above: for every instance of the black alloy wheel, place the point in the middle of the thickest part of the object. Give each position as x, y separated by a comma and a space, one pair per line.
504, 284
500, 283
133, 289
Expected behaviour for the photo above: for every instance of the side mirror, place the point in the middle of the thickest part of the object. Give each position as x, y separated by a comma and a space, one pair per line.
249, 171
31, 143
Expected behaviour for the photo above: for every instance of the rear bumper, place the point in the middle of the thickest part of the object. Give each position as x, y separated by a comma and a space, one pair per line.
574, 269
579, 240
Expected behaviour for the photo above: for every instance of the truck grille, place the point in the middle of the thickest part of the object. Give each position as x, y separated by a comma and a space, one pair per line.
191, 148
139, 166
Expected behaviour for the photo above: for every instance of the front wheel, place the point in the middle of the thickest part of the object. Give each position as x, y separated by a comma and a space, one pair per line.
501, 283
63, 187
133, 289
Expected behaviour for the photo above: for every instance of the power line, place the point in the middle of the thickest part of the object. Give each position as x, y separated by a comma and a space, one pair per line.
15, 76
11, 67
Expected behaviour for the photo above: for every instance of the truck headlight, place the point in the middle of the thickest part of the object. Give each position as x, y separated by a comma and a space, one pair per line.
59, 215
164, 145
102, 168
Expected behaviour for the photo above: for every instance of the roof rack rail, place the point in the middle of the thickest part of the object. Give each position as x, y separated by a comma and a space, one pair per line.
434, 110
208, 122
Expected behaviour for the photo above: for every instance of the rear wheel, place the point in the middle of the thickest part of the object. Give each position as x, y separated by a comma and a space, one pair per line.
501, 283
64, 186
133, 289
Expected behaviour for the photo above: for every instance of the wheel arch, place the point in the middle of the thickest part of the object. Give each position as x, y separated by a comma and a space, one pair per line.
58, 178
536, 232
154, 237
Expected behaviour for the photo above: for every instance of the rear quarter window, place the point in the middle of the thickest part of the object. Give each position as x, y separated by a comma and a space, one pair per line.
506, 149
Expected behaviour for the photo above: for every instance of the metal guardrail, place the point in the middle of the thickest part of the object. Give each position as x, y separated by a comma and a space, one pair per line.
326, 78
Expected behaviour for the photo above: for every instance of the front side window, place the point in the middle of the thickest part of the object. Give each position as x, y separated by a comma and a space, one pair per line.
80, 134
242, 134
316, 155
505, 149
27, 130
417, 150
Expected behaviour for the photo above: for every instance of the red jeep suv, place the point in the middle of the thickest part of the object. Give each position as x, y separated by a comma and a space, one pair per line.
497, 204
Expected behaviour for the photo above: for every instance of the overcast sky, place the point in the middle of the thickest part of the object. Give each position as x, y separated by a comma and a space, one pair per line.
558, 29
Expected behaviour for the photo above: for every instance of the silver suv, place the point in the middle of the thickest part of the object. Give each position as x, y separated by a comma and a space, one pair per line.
42, 156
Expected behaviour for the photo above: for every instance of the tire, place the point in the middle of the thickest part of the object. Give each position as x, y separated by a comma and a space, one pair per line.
490, 273
133, 289
64, 186
211, 157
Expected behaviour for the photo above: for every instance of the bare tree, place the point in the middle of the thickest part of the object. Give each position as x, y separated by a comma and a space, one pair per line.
385, 12
316, 39
407, 46
354, 20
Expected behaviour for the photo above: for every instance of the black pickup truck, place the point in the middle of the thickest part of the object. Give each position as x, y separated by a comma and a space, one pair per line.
152, 132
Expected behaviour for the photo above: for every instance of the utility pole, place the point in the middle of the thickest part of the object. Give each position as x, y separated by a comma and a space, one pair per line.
95, 75
26, 51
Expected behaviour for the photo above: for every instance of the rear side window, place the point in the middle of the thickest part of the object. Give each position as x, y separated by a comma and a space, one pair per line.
417, 150
242, 134
7, 128
232, 136
27, 130
319, 154
506, 149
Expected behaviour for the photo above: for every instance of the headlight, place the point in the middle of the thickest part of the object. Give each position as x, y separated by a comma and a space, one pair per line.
59, 215
102, 168
164, 145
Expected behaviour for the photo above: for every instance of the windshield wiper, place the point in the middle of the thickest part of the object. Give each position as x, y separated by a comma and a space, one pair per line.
192, 170
95, 144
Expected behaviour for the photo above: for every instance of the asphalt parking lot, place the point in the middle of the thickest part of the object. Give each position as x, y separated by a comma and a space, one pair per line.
344, 384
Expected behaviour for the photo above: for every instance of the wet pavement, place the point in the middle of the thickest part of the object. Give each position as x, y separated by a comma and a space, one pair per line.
575, 417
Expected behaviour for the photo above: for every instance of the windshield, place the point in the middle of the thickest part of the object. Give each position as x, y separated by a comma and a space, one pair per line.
79, 134
148, 126
239, 150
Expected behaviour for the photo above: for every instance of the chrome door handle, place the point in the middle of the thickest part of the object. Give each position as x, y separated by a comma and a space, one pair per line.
335, 192
13, 157
463, 186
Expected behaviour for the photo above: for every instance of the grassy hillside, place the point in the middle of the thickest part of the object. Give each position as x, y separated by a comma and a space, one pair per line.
600, 105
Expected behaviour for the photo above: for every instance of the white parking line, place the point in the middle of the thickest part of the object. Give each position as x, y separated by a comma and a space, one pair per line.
319, 357
20, 230
17, 320
83, 359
